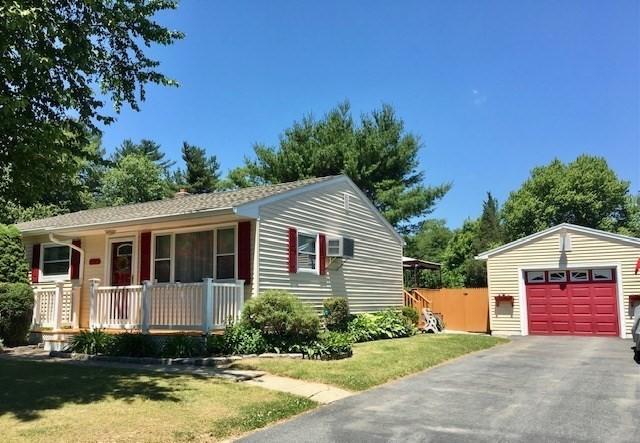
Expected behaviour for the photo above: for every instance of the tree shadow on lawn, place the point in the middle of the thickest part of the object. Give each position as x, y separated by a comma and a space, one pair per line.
28, 387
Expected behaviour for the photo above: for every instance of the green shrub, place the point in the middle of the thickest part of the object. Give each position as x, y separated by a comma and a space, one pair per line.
390, 323
363, 327
182, 346
281, 318
411, 315
16, 307
133, 345
13, 264
336, 313
91, 342
237, 339
329, 345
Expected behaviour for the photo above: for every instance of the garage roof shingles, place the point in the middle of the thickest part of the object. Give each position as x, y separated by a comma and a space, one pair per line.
188, 204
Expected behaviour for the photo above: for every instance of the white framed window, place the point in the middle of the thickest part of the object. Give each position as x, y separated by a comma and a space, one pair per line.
225, 254
579, 275
193, 255
162, 258
125, 250
55, 261
602, 274
535, 277
557, 276
307, 252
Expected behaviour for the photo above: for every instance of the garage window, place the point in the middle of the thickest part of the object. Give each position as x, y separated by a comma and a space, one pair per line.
535, 277
579, 276
557, 276
602, 274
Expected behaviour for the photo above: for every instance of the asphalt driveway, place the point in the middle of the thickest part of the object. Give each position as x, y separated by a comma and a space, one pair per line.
535, 389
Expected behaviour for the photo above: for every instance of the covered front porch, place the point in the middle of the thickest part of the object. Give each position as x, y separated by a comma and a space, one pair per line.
189, 276
148, 308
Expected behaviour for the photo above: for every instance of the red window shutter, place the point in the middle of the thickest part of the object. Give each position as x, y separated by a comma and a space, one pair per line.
75, 261
322, 239
35, 264
145, 256
293, 250
244, 251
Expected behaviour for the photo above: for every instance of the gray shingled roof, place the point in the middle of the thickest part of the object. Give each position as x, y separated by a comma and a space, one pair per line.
189, 204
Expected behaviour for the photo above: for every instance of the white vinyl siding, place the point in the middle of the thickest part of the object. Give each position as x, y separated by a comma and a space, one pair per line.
504, 277
372, 279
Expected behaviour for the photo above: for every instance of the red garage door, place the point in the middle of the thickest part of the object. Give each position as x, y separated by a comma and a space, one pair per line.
573, 302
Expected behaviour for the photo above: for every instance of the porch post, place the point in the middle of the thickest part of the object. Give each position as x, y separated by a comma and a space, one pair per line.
75, 307
146, 291
36, 309
239, 300
207, 308
93, 286
57, 306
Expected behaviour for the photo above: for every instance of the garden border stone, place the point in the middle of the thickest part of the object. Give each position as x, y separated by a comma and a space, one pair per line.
193, 361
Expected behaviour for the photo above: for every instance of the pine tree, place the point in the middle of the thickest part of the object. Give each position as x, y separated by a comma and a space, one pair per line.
489, 227
376, 152
146, 148
202, 173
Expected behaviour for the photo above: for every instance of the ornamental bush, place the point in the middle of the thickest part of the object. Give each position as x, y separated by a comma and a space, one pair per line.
411, 315
281, 318
16, 305
237, 339
336, 313
390, 323
329, 345
130, 344
183, 346
91, 342
13, 264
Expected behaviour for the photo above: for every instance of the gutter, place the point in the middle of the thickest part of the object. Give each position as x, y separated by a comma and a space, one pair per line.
127, 222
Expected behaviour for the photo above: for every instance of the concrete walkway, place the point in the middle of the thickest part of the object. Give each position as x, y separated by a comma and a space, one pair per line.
318, 392
535, 389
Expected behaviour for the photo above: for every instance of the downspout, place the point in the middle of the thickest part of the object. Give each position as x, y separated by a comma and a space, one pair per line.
53, 239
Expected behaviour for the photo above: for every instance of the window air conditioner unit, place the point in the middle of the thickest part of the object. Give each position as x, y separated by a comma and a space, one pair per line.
339, 247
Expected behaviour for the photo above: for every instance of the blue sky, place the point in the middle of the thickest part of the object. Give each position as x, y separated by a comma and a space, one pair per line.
493, 88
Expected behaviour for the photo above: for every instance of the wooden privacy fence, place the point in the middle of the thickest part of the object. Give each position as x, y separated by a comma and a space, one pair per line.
464, 309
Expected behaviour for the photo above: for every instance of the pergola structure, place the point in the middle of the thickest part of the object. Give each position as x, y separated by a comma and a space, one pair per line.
415, 265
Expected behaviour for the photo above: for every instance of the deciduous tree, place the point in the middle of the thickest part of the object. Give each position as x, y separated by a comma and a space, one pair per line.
585, 192
134, 179
58, 59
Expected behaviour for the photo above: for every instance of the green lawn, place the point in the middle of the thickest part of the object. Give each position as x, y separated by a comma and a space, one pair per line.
377, 362
60, 402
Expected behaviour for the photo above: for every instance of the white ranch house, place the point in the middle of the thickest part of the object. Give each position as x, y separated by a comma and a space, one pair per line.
188, 263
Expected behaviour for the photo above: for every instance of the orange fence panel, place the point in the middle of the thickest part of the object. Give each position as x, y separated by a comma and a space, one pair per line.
464, 309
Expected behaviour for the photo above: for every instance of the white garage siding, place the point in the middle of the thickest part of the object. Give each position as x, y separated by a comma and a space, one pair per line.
504, 275
372, 279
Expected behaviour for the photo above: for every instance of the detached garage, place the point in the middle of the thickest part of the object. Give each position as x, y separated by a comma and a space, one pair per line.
565, 280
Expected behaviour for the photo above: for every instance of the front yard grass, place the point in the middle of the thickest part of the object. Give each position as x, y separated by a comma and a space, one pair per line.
377, 362
62, 402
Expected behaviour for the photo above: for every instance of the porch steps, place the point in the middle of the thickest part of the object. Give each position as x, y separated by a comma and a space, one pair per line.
56, 341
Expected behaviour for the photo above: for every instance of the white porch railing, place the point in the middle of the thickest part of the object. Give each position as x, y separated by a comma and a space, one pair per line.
56, 307
169, 306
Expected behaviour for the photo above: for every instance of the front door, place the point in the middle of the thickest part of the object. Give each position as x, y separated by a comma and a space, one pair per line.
121, 263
